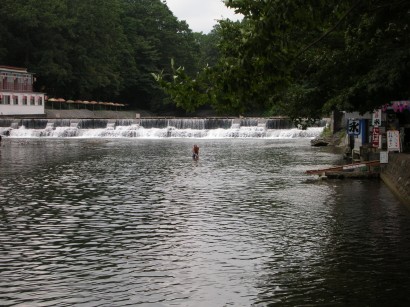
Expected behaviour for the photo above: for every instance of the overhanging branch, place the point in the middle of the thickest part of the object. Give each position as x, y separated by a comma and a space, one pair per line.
328, 31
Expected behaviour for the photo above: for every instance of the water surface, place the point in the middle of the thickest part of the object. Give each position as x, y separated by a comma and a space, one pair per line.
126, 222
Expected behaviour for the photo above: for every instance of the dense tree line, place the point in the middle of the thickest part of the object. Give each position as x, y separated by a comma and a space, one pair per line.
293, 57
96, 49
303, 59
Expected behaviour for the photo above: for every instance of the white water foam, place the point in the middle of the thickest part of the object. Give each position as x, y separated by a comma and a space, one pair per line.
135, 131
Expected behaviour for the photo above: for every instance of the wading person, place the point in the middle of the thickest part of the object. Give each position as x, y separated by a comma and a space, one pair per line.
195, 152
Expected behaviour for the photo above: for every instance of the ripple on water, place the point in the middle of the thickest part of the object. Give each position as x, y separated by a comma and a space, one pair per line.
135, 222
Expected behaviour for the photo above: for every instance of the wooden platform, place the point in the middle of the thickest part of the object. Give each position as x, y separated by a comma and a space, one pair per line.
362, 170
352, 175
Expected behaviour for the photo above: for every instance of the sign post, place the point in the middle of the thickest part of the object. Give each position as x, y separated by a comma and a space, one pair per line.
377, 118
376, 137
384, 157
393, 140
353, 127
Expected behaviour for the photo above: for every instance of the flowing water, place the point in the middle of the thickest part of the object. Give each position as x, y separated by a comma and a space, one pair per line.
137, 222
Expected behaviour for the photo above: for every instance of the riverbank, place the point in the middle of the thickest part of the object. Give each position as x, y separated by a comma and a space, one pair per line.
396, 175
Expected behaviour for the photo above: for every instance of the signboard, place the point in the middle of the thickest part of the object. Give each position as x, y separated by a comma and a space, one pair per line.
353, 127
377, 118
393, 140
384, 157
376, 137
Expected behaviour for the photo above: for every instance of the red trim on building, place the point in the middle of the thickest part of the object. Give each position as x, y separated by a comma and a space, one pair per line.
13, 68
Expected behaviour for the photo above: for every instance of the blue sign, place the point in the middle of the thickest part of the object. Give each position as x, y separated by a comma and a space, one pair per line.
353, 127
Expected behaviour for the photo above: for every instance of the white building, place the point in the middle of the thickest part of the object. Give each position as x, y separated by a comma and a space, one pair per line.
16, 93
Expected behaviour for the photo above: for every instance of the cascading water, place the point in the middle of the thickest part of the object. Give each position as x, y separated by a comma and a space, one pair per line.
156, 128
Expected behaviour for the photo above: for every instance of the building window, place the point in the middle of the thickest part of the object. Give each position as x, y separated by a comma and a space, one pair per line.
4, 83
32, 100
15, 100
6, 99
40, 101
24, 100
16, 84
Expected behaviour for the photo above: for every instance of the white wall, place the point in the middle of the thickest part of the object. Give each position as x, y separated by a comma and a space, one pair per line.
20, 109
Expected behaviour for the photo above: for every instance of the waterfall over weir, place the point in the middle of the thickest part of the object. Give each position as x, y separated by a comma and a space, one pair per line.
155, 128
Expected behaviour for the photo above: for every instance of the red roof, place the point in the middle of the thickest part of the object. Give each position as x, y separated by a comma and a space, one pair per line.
13, 68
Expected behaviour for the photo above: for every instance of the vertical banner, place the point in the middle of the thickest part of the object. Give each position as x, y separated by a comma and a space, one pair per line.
376, 137
393, 140
377, 118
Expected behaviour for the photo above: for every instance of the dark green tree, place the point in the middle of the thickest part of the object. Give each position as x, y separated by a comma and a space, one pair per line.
95, 49
154, 36
344, 55
208, 46
35, 31
307, 58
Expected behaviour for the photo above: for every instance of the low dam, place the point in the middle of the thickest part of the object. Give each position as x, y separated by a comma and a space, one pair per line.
155, 127
179, 123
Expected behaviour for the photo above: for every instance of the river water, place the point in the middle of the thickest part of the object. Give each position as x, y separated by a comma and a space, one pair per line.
137, 222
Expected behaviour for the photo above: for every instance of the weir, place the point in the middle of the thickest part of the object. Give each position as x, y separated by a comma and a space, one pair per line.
50, 126
148, 123
156, 128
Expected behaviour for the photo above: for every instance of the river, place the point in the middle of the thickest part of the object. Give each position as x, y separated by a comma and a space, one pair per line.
137, 222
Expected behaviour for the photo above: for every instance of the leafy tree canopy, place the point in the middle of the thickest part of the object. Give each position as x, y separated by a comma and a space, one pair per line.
304, 58
90, 49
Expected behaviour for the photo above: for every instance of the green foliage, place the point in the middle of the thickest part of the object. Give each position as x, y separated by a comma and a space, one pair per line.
343, 55
327, 132
186, 92
91, 49
377, 49
297, 58
305, 59
208, 46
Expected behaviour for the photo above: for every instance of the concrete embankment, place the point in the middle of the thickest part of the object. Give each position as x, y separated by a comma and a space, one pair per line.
396, 174
94, 114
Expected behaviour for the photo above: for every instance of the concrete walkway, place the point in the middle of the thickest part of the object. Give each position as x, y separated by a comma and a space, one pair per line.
93, 114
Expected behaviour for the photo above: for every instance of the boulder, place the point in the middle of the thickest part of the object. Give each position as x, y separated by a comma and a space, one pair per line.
319, 142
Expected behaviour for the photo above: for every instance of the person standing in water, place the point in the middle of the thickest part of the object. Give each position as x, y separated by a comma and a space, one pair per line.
195, 152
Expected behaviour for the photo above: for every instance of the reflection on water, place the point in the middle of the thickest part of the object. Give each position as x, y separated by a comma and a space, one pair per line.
138, 222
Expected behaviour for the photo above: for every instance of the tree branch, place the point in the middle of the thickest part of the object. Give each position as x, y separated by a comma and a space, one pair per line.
328, 31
